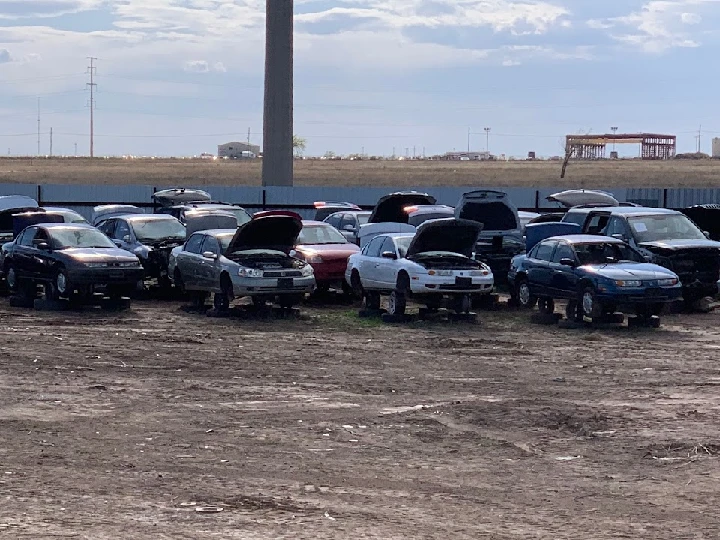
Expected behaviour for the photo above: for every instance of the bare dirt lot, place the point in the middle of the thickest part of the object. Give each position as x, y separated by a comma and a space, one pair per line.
196, 172
334, 427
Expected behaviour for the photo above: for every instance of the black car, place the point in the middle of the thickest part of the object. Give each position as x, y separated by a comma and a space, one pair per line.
69, 260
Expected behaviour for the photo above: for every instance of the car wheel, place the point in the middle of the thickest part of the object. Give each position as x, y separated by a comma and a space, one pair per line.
11, 278
372, 300
463, 304
397, 302
572, 313
356, 284
525, 299
60, 286
590, 308
221, 300
546, 306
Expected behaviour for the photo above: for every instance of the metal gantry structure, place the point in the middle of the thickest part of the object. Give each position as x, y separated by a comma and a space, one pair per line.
652, 145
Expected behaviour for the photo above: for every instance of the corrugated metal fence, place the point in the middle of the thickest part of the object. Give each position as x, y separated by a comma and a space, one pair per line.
301, 199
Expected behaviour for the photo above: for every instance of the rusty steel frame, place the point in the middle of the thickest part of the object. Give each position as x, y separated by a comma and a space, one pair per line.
652, 145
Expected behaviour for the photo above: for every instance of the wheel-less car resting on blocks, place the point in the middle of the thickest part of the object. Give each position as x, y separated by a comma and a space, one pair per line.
433, 266
597, 275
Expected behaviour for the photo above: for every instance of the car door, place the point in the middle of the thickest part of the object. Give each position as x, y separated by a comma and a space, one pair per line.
348, 227
386, 269
209, 268
563, 279
123, 236
189, 263
40, 261
539, 272
22, 253
369, 263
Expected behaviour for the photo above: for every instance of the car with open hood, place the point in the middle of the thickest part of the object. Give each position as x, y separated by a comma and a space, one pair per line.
389, 214
665, 237
327, 251
597, 275
251, 261
432, 265
502, 234
9, 206
69, 260
151, 237
177, 202
348, 222
420, 213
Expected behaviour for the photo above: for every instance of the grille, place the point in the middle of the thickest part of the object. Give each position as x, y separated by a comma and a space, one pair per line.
283, 273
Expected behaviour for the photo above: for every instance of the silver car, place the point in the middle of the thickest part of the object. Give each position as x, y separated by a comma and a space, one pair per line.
251, 261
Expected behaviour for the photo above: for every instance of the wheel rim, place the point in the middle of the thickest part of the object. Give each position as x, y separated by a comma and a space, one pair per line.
11, 278
588, 303
524, 294
61, 283
392, 303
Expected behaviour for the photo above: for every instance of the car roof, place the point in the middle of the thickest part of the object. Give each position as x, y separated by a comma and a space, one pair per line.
628, 211
431, 208
314, 223
393, 235
194, 205
54, 226
354, 212
216, 232
144, 217
585, 239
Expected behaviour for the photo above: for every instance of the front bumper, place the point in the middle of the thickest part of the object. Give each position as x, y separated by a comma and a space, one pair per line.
330, 272
272, 286
448, 285
658, 295
105, 276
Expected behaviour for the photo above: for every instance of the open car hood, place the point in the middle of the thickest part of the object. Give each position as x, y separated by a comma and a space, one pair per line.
390, 208
17, 202
25, 219
277, 232
574, 197
447, 234
676, 245
491, 208
171, 197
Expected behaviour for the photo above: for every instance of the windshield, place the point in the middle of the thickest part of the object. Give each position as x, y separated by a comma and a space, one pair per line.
225, 240
664, 227
403, 243
154, 230
606, 253
320, 234
363, 218
79, 238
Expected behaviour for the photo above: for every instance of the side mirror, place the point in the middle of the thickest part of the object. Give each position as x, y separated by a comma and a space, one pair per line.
126, 238
707, 234
568, 262
348, 228
389, 255
44, 246
619, 236
117, 242
210, 255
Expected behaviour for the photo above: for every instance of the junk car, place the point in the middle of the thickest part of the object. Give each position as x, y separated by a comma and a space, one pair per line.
349, 222
389, 215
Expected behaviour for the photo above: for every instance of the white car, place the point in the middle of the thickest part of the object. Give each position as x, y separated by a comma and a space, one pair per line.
429, 266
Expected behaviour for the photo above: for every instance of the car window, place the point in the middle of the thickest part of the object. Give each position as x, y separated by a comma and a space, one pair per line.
563, 251
544, 251
62, 238
194, 244
403, 243
211, 244
334, 220
388, 245
597, 223
348, 219
373, 248
26, 238
121, 230
615, 226
653, 228
107, 227
362, 219
320, 234
578, 218
606, 253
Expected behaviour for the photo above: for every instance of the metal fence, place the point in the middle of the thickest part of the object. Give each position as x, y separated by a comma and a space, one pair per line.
301, 199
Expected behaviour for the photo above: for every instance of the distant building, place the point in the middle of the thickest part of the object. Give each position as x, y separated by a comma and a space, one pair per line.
716, 147
467, 156
238, 150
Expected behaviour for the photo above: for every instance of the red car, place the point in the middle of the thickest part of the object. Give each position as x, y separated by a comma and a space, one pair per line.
327, 251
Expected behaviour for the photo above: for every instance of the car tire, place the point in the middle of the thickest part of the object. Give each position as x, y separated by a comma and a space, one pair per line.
221, 300
462, 304
524, 297
546, 306
60, 286
356, 284
588, 305
11, 278
397, 302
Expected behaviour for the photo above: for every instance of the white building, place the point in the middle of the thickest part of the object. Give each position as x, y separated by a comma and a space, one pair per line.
716, 147
238, 150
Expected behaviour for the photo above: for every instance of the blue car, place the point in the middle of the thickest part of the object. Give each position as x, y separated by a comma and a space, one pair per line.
598, 275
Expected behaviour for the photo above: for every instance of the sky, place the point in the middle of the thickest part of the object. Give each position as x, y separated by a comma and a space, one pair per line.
179, 77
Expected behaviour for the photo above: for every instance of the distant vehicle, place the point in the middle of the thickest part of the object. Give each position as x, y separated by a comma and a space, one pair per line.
389, 214
665, 237
252, 261
70, 260
431, 265
327, 251
324, 209
349, 223
420, 213
502, 235
107, 211
180, 211
150, 237
170, 197
598, 275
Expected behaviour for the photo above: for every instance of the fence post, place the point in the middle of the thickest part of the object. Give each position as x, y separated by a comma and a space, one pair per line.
39, 195
264, 200
665, 197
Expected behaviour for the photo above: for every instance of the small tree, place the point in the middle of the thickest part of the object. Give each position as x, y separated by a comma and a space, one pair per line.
298, 145
329, 155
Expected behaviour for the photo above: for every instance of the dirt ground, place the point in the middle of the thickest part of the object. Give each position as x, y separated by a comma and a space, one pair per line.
196, 172
121, 425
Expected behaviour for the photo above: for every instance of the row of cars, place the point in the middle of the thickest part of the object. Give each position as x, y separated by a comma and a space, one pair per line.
599, 256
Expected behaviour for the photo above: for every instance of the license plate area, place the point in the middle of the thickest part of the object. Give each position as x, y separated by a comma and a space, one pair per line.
463, 281
116, 274
653, 291
285, 283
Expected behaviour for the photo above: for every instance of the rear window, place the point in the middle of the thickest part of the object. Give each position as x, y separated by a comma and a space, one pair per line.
578, 218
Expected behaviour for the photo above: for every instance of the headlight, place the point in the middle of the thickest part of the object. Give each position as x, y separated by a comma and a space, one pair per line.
250, 272
483, 272
629, 283
96, 264
440, 272
307, 270
668, 282
130, 264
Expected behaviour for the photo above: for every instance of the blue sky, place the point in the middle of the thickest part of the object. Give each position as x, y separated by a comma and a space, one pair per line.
178, 77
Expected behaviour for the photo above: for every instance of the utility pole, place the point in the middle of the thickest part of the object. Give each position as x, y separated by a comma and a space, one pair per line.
468, 140
699, 137
487, 140
248, 143
277, 165
92, 85
38, 128
75, 149
614, 130
50, 142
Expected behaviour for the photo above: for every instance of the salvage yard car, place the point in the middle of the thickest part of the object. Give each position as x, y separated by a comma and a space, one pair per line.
69, 260
349, 222
429, 266
665, 237
598, 275
253, 261
389, 215
327, 251
149, 236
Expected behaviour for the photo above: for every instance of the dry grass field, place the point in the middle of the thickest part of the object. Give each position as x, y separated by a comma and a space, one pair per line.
179, 172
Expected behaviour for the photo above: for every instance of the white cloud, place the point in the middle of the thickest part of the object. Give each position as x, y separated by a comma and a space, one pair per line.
691, 18
5, 56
